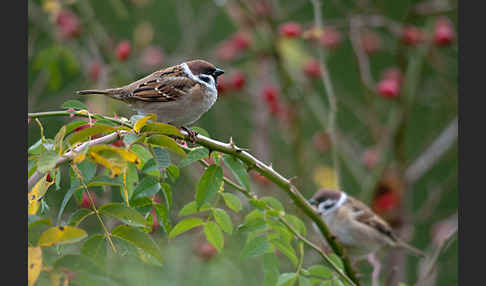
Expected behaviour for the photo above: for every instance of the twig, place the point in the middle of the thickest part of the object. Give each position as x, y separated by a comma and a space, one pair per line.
329, 92
363, 62
433, 153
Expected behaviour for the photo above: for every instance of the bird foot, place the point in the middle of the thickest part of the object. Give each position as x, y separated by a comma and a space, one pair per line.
192, 135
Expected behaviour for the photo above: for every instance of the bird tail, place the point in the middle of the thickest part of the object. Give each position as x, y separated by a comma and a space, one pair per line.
111, 92
412, 249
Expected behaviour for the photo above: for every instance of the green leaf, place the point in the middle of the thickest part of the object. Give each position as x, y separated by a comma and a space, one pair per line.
76, 262
87, 169
151, 168
214, 235
173, 172
47, 161
132, 179
147, 187
163, 217
64, 202
297, 223
193, 156
273, 202
142, 153
209, 184
336, 260
287, 279
130, 138
256, 247
167, 191
95, 248
74, 124
223, 219
238, 169
271, 270
104, 181
232, 201
125, 214
191, 208
81, 135
61, 235
36, 148
167, 142
320, 271
162, 128
287, 249
75, 104
140, 239
162, 157
185, 225
78, 216
304, 281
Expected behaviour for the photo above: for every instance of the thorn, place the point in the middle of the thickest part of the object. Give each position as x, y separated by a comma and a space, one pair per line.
293, 179
210, 152
270, 166
237, 149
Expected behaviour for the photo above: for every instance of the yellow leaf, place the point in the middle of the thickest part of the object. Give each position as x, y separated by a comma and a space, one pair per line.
115, 168
61, 235
124, 153
142, 121
37, 192
79, 158
34, 264
325, 177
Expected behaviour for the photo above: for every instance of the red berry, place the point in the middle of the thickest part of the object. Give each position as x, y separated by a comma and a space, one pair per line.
386, 202
118, 143
370, 42
240, 41
444, 32
412, 36
312, 69
370, 158
238, 80
48, 177
86, 202
94, 71
260, 178
206, 250
270, 95
290, 29
123, 50
330, 38
68, 24
388, 88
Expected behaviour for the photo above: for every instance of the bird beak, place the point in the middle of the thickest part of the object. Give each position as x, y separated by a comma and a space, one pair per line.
311, 201
218, 72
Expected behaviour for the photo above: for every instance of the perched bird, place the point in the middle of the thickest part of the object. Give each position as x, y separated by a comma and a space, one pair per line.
178, 95
359, 230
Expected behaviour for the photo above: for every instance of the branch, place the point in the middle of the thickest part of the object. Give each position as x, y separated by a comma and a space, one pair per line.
231, 149
433, 153
286, 223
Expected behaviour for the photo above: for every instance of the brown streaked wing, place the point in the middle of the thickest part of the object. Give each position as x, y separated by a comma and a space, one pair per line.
163, 89
366, 216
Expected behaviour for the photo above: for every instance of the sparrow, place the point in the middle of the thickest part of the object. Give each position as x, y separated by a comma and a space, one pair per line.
356, 227
177, 95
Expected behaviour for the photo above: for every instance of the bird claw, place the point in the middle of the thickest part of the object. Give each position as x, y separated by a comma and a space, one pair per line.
191, 134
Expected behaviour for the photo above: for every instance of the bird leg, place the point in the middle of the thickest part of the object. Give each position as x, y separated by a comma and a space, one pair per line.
376, 269
192, 135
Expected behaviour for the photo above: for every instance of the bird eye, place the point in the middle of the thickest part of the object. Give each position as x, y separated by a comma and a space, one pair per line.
205, 78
